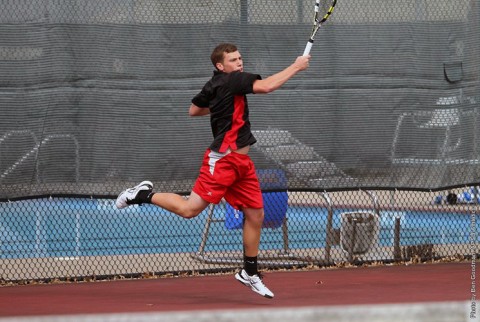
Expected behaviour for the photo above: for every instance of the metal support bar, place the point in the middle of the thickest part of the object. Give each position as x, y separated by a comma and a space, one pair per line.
206, 229
397, 254
352, 240
374, 198
329, 238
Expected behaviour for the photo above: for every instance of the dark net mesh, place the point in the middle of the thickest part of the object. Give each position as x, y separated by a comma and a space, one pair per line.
94, 98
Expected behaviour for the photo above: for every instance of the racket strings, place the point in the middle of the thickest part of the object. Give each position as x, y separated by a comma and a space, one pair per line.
319, 18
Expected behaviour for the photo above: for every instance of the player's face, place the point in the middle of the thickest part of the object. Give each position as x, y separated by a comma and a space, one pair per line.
231, 62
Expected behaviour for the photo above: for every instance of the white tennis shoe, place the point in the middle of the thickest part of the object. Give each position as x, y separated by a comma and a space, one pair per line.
127, 197
255, 283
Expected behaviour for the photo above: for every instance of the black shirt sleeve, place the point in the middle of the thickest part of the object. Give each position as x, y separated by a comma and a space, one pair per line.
201, 99
241, 83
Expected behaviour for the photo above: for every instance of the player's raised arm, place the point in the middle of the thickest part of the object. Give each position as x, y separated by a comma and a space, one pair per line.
275, 81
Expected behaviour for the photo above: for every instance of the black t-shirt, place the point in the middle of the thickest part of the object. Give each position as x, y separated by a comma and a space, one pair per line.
225, 95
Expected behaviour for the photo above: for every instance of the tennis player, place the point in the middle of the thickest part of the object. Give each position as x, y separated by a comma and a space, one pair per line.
227, 171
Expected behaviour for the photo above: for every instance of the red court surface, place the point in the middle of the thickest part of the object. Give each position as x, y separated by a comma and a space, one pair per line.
398, 284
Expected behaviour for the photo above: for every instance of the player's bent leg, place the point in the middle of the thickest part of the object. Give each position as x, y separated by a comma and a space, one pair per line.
186, 208
142, 193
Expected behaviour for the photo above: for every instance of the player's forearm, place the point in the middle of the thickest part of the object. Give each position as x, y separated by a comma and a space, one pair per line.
275, 81
198, 111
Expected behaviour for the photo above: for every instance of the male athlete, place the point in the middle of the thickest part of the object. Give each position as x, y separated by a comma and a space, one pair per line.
227, 171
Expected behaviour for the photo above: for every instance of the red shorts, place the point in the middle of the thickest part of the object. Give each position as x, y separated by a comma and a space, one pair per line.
231, 176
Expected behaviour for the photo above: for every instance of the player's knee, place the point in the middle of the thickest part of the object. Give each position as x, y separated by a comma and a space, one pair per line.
260, 217
255, 217
189, 213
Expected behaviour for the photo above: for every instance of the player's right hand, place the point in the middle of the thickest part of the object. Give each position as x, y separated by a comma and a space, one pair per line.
302, 62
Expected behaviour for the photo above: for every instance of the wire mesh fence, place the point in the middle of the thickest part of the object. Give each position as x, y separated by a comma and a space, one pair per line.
77, 238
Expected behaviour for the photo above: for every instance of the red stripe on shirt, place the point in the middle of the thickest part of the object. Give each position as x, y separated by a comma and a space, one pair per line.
230, 139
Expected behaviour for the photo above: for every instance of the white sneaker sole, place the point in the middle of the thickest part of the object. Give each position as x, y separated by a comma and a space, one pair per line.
121, 201
239, 278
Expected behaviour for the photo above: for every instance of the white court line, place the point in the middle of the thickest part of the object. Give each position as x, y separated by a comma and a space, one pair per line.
421, 312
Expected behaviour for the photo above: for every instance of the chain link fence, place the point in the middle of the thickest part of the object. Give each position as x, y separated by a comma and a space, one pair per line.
73, 239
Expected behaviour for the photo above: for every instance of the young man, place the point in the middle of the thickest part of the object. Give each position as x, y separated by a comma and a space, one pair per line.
227, 171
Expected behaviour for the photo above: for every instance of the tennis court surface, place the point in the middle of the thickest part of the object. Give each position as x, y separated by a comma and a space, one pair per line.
420, 292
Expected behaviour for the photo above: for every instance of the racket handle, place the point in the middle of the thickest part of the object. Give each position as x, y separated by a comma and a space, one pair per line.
307, 48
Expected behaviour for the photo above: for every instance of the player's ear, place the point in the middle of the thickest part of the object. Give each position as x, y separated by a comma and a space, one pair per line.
220, 66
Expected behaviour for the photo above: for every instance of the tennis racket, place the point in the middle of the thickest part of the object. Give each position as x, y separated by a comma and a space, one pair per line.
321, 15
